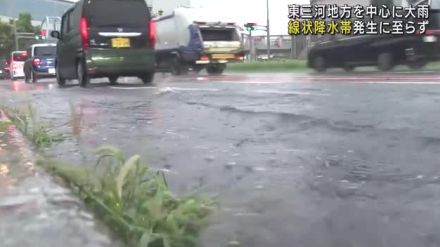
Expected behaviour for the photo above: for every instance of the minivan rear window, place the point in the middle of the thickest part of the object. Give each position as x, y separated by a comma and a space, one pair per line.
19, 57
45, 51
117, 13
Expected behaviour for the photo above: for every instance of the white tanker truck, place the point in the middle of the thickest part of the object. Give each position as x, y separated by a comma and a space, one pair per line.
193, 39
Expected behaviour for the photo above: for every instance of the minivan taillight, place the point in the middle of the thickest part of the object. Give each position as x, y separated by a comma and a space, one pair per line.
152, 33
83, 30
36, 61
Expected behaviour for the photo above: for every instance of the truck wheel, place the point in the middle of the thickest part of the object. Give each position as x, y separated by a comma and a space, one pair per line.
319, 64
385, 61
81, 73
147, 78
215, 69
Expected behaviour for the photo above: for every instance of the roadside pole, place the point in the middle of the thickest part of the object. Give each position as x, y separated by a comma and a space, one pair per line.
14, 23
268, 30
15, 35
251, 46
293, 47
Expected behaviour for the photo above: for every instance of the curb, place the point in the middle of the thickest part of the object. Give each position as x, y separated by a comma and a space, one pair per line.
4, 117
33, 204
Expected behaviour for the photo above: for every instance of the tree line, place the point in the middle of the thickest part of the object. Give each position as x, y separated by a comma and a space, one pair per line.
7, 38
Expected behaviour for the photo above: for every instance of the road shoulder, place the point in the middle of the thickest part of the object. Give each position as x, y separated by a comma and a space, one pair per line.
36, 209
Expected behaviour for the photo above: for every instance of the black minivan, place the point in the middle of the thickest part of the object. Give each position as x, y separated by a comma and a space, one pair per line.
105, 38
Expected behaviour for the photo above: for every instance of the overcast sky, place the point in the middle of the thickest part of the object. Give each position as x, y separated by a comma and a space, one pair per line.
252, 11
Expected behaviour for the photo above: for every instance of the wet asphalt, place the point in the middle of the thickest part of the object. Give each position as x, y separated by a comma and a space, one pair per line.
301, 160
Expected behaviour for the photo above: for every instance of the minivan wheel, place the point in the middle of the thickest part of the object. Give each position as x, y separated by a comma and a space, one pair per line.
147, 78
176, 66
385, 61
60, 80
215, 70
83, 77
319, 64
113, 79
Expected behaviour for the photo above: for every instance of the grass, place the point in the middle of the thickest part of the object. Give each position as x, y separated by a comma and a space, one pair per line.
125, 193
301, 65
4, 125
135, 201
27, 121
267, 66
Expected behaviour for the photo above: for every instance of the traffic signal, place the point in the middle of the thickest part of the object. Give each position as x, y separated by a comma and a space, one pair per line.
250, 26
40, 37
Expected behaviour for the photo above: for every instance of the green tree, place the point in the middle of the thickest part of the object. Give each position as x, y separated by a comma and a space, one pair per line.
24, 23
6, 39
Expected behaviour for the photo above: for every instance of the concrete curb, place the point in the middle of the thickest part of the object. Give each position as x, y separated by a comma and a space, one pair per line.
34, 205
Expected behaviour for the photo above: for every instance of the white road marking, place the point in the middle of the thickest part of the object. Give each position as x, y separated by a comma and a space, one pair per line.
170, 89
289, 92
133, 88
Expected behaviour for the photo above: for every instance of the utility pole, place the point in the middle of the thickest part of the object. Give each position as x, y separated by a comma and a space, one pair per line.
292, 47
268, 30
14, 22
15, 34
251, 46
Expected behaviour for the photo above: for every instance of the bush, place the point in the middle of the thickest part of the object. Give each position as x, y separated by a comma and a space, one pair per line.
135, 201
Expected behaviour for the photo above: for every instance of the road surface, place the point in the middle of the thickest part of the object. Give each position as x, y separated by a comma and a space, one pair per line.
296, 159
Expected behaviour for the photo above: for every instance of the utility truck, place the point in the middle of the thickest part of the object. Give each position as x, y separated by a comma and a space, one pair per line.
195, 39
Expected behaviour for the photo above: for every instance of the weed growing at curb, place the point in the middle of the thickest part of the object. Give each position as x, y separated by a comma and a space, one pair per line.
27, 121
4, 125
135, 201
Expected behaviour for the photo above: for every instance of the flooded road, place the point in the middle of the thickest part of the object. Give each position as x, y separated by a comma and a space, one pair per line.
296, 160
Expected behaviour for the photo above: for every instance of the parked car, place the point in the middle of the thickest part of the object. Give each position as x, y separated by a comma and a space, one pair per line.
6, 68
16, 64
105, 38
40, 62
385, 51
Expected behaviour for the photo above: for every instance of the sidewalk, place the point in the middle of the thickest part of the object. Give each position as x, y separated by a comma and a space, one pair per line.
34, 209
